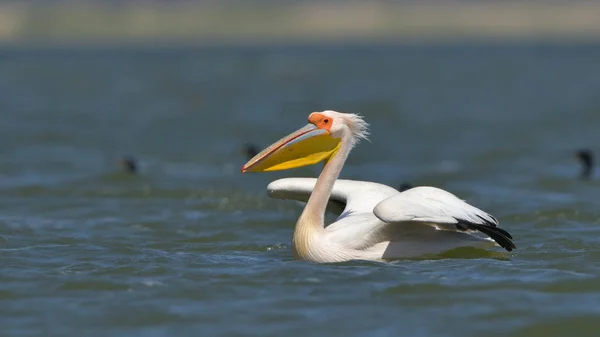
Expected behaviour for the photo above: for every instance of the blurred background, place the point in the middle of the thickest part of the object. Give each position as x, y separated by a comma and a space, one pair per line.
238, 21
124, 125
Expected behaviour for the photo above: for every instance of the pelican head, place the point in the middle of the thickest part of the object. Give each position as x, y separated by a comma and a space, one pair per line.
319, 140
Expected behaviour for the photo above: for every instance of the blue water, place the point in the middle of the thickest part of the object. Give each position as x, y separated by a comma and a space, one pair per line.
190, 246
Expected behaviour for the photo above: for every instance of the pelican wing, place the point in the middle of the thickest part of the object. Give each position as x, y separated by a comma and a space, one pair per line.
430, 205
348, 196
370, 213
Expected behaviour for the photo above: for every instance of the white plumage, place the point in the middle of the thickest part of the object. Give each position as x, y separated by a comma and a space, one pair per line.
375, 222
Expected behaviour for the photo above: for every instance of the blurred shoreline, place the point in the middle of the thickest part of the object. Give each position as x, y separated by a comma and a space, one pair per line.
184, 23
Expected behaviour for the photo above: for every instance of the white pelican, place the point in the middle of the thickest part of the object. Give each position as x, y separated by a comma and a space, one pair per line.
376, 222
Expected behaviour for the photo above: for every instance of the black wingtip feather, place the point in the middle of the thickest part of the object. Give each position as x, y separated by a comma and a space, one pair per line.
502, 237
491, 224
504, 232
497, 236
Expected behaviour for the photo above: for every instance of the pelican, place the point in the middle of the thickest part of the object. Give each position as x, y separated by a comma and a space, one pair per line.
376, 222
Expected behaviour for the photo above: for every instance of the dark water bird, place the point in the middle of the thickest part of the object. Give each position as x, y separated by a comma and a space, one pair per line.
250, 150
128, 164
404, 186
586, 157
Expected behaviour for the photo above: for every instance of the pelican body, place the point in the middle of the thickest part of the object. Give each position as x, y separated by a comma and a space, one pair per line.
375, 222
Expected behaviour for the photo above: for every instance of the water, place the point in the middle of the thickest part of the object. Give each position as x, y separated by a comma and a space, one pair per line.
192, 247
